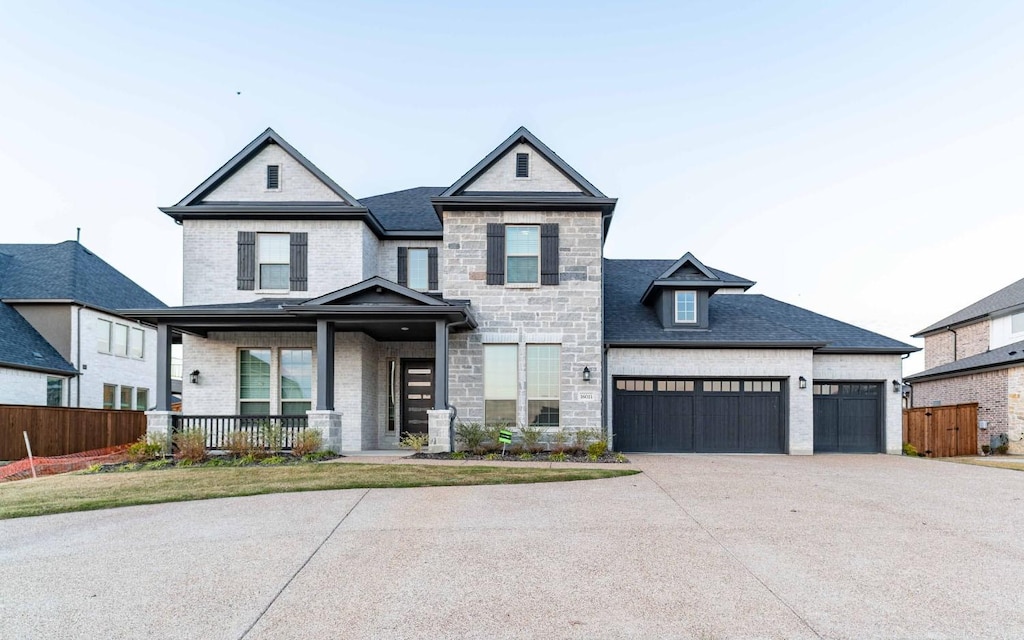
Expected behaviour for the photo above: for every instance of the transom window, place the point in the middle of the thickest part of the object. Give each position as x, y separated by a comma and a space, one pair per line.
686, 307
272, 250
543, 369
254, 382
501, 381
522, 254
418, 275
296, 381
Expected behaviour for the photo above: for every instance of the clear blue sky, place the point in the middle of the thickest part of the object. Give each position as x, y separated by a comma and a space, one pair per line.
862, 159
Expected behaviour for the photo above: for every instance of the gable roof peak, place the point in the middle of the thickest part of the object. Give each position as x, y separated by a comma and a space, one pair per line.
688, 258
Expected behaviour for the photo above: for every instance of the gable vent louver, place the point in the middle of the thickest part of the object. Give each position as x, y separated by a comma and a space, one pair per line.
273, 176
522, 165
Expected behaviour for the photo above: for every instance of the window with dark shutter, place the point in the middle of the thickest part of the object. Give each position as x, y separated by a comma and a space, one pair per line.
298, 263
432, 269
273, 176
522, 165
495, 253
549, 254
403, 266
246, 260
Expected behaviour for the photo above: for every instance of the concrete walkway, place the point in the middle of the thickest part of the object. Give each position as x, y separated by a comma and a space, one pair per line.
695, 547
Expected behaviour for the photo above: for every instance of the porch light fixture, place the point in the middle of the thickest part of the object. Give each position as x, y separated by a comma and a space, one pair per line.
194, 376
896, 386
586, 374
803, 382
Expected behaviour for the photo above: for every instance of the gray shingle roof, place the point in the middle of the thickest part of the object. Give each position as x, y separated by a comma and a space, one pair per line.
1006, 298
1010, 355
22, 346
733, 319
406, 210
68, 271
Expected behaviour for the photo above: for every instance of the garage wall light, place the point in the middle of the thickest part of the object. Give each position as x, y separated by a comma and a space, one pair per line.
897, 386
194, 376
803, 382
586, 374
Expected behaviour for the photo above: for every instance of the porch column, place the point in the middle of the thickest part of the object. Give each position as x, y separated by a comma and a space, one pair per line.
324, 365
440, 364
163, 367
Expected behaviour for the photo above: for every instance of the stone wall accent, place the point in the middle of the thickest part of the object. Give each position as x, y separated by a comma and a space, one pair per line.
159, 424
439, 430
1015, 409
970, 340
328, 423
870, 368
249, 182
988, 389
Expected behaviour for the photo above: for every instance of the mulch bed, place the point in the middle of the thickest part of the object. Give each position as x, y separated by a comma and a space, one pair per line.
544, 456
217, 460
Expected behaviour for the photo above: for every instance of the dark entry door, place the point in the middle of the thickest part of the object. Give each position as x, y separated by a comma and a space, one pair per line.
417, 394
847, 417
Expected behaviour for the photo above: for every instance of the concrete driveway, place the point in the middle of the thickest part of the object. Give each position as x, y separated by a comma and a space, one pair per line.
696, 547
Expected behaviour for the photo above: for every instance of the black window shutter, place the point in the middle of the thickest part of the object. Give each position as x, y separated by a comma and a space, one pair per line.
298, 259
549, 254
495, 253
403, 266
246, 260
432, 268
522, 165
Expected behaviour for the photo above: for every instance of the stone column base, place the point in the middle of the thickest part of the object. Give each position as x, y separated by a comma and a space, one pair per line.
328, 423
159, 426
438, 423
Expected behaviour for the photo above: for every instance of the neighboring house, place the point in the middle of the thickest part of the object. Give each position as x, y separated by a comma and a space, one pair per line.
977, 355
62, 342
373, 317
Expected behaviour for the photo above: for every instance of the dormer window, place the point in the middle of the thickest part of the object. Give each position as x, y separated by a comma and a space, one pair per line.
686, 307
522, 165
273, 177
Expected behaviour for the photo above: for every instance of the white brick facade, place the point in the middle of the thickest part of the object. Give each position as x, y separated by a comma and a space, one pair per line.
870, 368
502, 175
98, 369
18, 386
249, 183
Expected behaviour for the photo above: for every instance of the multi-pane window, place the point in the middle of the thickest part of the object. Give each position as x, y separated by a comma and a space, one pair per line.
272, 250
103, 338
55, 392
142, 399
109, 394
418, 274
254, 381
686, 307
501, 381
522, 254
120, 339
137, 344
543, 367
126, 398
296, 381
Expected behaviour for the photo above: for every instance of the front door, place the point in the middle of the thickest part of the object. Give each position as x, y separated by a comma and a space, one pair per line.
417, 394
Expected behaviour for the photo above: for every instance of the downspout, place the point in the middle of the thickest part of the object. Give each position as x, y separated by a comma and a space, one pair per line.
78, 358
953, 331
910, 397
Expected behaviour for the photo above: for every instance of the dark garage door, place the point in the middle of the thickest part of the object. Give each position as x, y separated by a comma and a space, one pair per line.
847, 417
703, 416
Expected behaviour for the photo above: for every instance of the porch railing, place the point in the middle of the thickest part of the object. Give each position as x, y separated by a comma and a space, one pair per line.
217, 428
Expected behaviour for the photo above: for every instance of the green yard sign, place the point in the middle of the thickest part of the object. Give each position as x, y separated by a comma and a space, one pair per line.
505, 436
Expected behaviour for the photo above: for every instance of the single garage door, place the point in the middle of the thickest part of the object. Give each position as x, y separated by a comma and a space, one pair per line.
847, 417
704, 416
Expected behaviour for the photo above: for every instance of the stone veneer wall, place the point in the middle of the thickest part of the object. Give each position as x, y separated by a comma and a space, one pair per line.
1015, 409
568, 314
988, 389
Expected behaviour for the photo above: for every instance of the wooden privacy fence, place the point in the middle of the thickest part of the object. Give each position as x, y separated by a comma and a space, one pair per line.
942, 432
58, 431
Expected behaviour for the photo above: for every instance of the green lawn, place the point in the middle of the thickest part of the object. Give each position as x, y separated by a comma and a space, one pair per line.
84, 492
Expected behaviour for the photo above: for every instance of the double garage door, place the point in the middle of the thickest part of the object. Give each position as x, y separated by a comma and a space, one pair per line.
739, 416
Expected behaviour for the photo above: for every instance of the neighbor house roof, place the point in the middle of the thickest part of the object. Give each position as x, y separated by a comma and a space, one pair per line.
67, 271
1008, 356
734, 320
1006, 298
22, 347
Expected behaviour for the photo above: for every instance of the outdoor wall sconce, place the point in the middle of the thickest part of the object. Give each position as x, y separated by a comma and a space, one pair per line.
586, 374
803, 382
194, 376
896, 386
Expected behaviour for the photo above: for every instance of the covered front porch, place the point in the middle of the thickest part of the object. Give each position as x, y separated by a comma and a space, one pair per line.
361, 365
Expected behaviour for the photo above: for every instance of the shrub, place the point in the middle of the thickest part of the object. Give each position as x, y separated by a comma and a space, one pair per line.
558, 456
306, 442
986, 449
458, 455
620, 457
212, 462
239, 444
317, 456
526, 455
414, 441
471, 435
186, 463
597, 449
531, 438
162, 463
583, 437
94, 468
271, 437
1002, 449
909, 449
147, 447
274, 460
191, 445
558, 440
247, 459
492, 456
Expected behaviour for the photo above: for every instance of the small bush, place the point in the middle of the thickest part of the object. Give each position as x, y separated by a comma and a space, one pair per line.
558, 456
187, 463
191, 445
526, 455
457, 455
162, 463
1002, 449
620, 457
471, 435
581, 438
131, 466
558, 440
271, 437
94, 468
274, 460
531, 438
147, 447
492, 456
306, 442
597, 449
317, 456
246, 460
414, 441
239, 444
212, 462
986, 449
909, 449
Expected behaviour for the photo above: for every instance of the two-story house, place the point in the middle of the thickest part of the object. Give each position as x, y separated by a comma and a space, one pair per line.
369, 318
977, 355
62, 341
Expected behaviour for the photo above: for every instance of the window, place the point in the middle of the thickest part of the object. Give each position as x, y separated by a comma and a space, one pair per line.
109, 391
126, 398
686, 307
296, 381
1017, 323
501, 381
543, 370
418, 269
103, 337
120, 339
142, 399
55, 392
522, 165
522, 254
273, 177
254, 382
272, 250
137, 344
